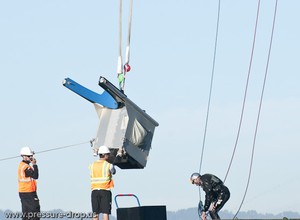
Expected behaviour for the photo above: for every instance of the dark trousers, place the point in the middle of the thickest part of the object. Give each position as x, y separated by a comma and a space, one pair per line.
220, 202
30, 206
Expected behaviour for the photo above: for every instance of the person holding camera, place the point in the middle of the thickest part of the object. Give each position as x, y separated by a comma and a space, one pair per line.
28, 173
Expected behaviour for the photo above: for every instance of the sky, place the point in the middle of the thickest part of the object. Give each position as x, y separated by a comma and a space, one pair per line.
172, 48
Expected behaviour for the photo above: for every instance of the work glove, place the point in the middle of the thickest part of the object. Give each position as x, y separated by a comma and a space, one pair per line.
112, 169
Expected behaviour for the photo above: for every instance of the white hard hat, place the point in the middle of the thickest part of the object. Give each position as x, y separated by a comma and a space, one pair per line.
26, 151
103, 150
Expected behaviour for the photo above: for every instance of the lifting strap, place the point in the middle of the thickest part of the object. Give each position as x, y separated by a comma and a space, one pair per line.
122, 70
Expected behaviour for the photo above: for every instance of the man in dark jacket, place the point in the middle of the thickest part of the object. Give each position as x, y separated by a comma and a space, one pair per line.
216, 193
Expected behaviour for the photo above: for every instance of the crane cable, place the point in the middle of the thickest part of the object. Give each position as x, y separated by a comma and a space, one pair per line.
210, 92
260, 106
122, 70
51, 149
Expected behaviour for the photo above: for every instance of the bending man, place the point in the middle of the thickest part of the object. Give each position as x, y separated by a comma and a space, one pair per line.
216, 193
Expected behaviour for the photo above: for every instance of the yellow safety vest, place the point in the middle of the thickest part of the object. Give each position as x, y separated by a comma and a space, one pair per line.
101, 177
26, 184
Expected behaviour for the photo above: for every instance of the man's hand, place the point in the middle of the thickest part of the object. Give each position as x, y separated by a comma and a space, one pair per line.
33, 161
212, 206
203, 216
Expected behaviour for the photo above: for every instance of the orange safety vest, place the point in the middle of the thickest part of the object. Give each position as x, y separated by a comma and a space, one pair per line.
101, 177
26, 184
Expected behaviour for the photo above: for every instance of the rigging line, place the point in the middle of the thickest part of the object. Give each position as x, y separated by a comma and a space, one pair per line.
44, 151
120, 29
245, 93
120, 62
128, 43
129, 33
211, 85
260, 106
210, 90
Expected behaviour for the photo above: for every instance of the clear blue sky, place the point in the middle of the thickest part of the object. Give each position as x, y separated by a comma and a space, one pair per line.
42, 42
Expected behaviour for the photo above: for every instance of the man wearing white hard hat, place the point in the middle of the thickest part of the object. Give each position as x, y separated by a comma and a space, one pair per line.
27, 176
216, 193
101, 172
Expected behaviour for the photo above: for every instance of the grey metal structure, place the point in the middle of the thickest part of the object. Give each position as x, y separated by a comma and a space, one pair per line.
127, 130
123, 126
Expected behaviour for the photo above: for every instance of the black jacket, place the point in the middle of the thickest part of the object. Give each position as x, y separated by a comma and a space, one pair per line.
213, 187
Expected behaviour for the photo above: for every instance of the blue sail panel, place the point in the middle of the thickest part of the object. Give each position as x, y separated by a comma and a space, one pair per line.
104, 99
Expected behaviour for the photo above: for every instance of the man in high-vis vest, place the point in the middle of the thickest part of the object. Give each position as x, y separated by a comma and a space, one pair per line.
101, 172
27, 176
